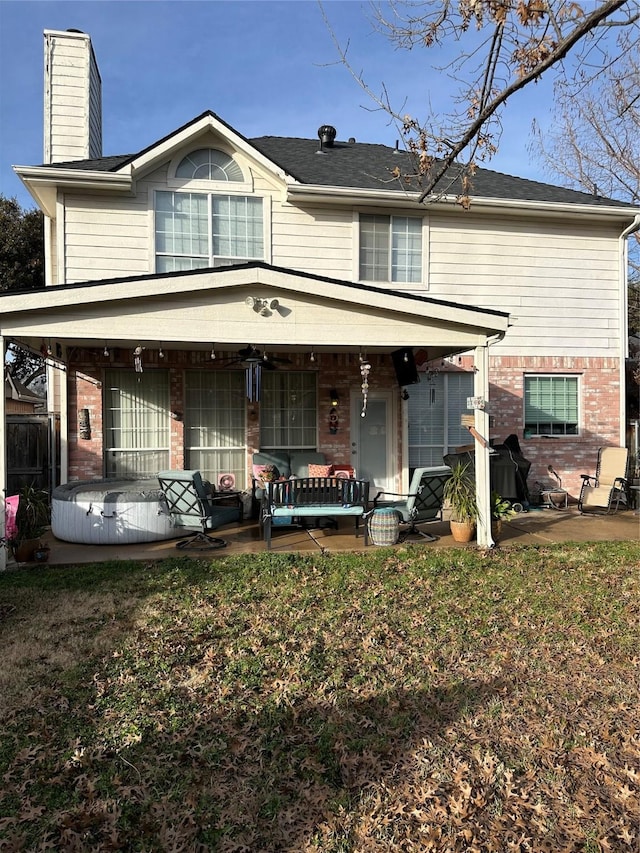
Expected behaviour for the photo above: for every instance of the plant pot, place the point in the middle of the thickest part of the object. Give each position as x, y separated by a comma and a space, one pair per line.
24, 550
496, 529
462, 531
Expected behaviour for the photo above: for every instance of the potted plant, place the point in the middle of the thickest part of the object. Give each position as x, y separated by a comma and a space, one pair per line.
460, 496
501, 510
32, 519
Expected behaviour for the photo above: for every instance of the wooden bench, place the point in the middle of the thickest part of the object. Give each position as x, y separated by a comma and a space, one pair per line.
314, 497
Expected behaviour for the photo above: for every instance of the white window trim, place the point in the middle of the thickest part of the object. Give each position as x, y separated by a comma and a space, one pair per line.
559, 375
267, 205
411, 286
245, 187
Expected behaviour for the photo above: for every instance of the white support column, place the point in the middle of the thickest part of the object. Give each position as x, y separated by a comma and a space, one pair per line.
3, 460
62, 380
483, 476
404, 413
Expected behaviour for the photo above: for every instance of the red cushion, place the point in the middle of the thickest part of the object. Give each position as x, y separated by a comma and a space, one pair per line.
316, 470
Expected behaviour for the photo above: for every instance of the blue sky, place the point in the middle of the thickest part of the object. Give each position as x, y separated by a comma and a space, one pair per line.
267, 67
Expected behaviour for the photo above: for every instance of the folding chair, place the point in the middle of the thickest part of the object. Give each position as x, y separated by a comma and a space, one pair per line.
190, 506
602, 493
423, 502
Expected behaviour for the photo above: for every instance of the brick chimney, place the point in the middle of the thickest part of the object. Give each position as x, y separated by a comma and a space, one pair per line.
72, 98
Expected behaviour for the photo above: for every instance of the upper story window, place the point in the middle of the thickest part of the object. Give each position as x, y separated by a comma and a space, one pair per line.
196, 230
390, 248
208, 164
550, 405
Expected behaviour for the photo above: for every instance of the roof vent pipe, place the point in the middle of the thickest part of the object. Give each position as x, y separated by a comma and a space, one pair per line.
327, 135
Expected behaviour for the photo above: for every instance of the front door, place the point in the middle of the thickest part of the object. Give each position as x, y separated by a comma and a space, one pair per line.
373, 445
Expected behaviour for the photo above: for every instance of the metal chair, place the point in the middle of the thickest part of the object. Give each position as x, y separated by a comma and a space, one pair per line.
602, 492
423, 502
189, 505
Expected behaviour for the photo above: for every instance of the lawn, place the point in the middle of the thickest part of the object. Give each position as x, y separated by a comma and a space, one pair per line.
417, 699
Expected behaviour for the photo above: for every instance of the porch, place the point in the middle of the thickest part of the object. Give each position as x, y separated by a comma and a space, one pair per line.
127, 356
536, 527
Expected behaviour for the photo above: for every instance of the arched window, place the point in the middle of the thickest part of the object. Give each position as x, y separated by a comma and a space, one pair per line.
208, 164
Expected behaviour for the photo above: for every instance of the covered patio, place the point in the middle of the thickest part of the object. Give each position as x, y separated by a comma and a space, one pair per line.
536, 527
202, 320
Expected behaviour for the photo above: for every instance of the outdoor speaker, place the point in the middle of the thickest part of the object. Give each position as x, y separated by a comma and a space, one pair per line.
405, 367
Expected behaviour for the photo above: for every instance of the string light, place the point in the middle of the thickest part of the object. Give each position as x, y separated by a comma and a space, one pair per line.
213, 352
160, 353
105, 351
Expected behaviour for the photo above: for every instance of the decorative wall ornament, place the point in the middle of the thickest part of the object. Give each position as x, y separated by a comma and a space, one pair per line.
84, 424
253, 380
137, 359
365, 370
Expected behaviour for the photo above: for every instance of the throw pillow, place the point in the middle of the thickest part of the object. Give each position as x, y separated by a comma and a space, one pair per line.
320, 470
265, 474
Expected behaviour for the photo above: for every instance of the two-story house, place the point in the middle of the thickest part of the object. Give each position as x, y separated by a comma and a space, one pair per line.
213, 294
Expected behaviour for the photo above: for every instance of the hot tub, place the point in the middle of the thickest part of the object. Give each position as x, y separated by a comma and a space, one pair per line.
111, 512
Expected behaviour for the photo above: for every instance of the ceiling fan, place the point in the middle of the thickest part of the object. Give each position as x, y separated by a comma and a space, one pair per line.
251, 355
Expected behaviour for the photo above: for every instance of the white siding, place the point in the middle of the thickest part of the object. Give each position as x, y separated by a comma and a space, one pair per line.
559, 280
72, 104
106, 237
313, 240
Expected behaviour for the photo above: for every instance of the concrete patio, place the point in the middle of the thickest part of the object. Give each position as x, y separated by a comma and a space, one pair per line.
536, 527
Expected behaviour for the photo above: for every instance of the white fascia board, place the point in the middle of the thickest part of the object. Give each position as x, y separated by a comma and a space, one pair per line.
43, 182
166, 148
278, 282
397, 198
381, 300
76, 177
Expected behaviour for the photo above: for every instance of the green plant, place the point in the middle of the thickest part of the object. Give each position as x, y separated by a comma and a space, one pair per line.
500, 508
32, 516
460, 494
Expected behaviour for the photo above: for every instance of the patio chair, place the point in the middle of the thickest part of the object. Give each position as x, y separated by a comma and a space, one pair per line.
602, 493
423, 503
189, 505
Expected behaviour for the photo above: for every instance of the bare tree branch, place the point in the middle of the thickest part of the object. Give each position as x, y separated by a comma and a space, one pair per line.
511, 43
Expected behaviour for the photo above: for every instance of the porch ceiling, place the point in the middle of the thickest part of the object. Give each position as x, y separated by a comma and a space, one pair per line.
294, 312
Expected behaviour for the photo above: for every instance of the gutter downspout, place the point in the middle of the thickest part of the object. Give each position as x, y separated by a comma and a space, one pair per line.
624, 320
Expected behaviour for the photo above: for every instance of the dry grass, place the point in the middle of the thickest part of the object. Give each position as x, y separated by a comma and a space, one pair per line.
416, 700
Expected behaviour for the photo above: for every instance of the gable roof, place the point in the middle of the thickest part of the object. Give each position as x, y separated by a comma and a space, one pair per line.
360, 166
198, 306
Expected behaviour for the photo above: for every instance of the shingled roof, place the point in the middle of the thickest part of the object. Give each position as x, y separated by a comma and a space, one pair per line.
367, 166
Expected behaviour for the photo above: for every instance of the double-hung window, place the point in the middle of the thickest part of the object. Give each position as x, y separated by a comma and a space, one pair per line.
550, 405
390, 248
136, 416
289, 411
214, 421
194, 230
434, 410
